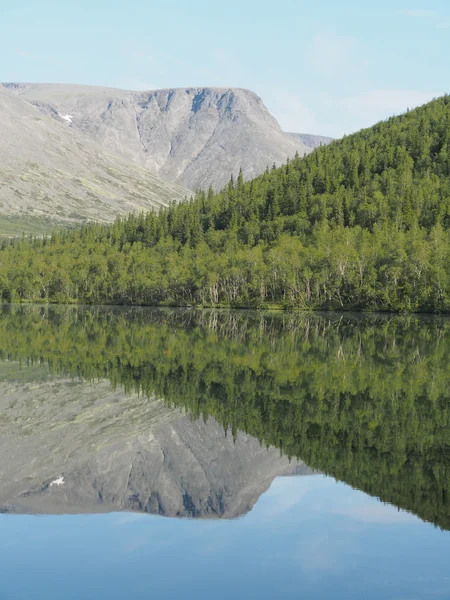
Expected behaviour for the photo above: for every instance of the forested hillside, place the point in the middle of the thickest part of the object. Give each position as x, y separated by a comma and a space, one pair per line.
360, 224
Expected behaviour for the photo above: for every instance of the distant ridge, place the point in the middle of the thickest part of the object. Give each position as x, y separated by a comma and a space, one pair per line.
196, 136
312, 141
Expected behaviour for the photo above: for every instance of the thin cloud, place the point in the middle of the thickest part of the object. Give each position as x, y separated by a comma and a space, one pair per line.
376, 105
349, 114
292, 114
136, 84
374, 512
330, 53
417, 12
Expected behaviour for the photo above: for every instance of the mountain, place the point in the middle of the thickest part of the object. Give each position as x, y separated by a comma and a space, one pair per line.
196, 137
73, 447
51, 173
312, 141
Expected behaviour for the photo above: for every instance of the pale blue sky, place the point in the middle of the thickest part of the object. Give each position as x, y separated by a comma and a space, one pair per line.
323, 67
307, 538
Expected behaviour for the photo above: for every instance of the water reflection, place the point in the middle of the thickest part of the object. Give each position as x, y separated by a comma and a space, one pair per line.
365, 400
297, 542
73, 447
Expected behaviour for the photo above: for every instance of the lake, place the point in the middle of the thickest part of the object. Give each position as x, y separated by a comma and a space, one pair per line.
217, 454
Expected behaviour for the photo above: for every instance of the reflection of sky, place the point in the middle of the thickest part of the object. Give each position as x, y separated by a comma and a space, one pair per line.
308, 537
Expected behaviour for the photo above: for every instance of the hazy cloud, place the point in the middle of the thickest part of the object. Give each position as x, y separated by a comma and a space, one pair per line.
286, 493
347, 114
292, 114
136, 84
376, 105
219, 68
126, 518
417, 12
374, 512
330, 53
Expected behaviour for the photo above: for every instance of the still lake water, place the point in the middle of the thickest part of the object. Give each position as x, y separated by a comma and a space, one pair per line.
185, 454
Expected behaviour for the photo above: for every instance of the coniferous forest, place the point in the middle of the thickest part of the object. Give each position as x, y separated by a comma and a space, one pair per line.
363, 223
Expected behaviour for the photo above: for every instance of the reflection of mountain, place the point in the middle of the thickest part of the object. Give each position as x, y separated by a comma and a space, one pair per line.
111, 452
365, 399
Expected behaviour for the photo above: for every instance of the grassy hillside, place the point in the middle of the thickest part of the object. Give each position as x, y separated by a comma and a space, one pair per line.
360, 224
51, 174
17, 226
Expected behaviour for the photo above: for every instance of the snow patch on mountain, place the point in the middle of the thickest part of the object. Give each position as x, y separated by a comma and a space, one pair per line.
67, 118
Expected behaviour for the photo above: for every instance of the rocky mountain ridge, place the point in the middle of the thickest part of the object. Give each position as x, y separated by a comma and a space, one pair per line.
195, 137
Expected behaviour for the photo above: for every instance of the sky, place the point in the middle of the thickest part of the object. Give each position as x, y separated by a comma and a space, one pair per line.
307, 537
322, 67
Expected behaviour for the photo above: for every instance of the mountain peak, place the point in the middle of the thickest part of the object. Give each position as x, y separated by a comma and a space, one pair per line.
194, 136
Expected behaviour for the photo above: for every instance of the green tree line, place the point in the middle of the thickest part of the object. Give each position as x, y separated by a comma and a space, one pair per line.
366, 400
360, 224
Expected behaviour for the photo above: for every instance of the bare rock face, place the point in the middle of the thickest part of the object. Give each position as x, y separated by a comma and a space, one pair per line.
312, 141
49, 170
195, 137
74, 447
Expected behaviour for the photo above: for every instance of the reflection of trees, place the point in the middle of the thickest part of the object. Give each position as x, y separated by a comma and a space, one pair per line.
363, 399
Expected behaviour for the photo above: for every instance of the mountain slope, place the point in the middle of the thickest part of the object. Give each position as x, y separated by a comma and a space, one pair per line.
196, 137
49, 172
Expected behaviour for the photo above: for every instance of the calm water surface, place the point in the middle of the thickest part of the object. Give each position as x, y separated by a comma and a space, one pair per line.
213, 454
